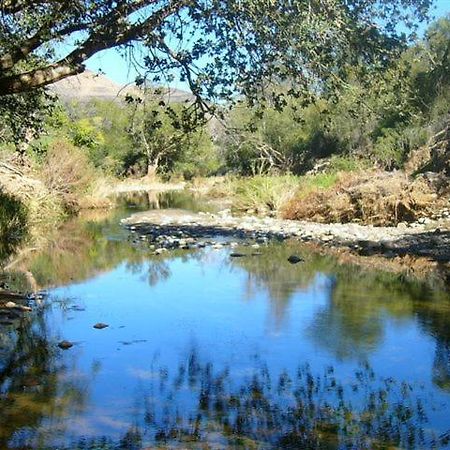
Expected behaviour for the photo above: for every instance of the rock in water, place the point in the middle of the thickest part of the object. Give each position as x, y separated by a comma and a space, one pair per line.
101, 325
237, 255
293, 259
65, 345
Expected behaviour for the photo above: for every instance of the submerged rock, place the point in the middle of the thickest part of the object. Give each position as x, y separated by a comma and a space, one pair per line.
65, 345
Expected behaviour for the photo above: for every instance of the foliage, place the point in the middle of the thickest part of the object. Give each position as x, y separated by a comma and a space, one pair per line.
67, 172
269, 194
13, 224
370, 198
263, 193
378, 119
220, 48
163, 141
22, 117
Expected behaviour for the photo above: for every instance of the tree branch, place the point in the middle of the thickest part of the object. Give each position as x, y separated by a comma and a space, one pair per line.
72, 64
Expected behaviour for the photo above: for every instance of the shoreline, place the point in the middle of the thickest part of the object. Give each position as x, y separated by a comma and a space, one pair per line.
430, 240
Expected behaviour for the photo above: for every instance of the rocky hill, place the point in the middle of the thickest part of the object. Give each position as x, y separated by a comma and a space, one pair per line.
89, 85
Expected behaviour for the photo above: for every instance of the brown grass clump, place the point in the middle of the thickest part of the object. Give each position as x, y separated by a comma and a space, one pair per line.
377, 198
42, 205
67, 173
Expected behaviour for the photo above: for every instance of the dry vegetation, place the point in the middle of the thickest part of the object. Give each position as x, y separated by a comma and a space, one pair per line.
67, 173
377, 198
42, 205
47, 193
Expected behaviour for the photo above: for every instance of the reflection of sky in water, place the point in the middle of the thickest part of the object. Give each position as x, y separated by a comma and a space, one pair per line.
205, 303
178, 326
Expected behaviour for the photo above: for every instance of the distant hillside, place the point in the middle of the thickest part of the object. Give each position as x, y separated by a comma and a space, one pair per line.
89, 85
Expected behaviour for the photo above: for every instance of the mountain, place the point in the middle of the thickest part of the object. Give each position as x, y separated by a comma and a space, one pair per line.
89, 85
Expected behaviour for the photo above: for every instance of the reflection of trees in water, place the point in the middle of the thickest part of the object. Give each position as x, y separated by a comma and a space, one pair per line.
434, 318
271, 271
163, 200
300, 410
34, 391
154, 272
201, 406
80, 250
351, 322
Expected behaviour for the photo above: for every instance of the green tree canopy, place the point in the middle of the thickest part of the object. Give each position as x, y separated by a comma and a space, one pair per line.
221, 48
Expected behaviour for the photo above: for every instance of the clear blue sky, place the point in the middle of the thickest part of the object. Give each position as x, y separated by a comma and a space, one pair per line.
117, 69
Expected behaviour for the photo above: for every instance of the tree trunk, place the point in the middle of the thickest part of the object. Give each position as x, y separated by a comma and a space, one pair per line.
152, 170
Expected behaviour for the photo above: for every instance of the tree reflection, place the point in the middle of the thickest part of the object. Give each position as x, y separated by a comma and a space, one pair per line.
33, 387
287, 410
199, 405
356, 303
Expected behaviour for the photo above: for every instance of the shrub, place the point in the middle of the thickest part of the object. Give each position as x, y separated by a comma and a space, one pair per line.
263, 193
370, 198
13, 224
67, 172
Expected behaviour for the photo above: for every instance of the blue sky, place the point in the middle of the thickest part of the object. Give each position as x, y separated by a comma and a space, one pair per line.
117, 69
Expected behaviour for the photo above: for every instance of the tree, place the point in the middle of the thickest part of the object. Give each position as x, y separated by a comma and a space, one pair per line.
164, 137
221, 48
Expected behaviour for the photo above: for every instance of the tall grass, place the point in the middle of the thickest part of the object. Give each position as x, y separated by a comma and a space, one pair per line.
269, 194
68, 173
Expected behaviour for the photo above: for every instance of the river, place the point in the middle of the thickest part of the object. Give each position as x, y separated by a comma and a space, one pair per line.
205, 351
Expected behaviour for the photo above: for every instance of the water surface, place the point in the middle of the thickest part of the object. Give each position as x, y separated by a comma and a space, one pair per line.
208, 351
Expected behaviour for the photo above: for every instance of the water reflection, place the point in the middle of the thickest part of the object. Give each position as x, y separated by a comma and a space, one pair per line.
94, 243
36, 393
171, 199
302, 409
199, 405
208, 351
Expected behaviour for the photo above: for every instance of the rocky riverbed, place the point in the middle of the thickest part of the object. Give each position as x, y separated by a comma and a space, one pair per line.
171, 229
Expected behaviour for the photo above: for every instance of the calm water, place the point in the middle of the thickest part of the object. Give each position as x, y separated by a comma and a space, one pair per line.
207, 351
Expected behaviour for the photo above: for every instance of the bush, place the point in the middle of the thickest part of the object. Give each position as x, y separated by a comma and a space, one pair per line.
67, 172
371, 198
13, 224
263, 193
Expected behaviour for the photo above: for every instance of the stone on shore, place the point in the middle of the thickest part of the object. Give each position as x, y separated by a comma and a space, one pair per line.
294, 259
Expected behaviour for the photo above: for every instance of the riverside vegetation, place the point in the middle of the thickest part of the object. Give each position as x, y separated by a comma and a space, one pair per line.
376, 152
333, 146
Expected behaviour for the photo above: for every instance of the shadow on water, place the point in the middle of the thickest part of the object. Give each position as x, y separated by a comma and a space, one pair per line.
199, 397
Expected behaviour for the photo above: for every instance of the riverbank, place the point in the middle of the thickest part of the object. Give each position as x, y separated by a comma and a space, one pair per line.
164, 230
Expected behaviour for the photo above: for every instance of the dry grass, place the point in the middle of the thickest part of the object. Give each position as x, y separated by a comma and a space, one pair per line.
68, 173
40, 202
377, 198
